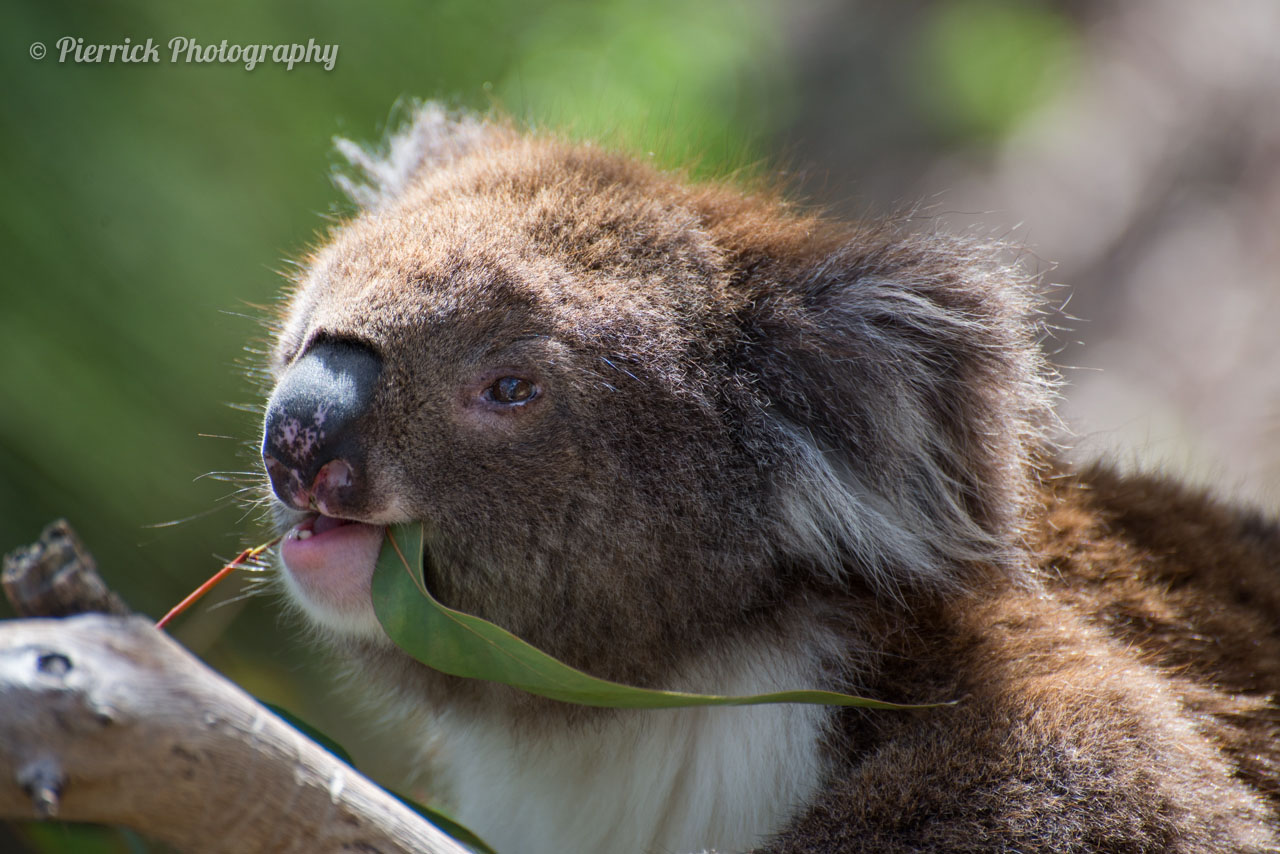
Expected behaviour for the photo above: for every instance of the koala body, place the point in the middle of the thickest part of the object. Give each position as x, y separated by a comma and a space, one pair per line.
686, 437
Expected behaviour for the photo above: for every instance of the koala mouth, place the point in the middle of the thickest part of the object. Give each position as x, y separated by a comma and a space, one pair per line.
330, 561
317, 525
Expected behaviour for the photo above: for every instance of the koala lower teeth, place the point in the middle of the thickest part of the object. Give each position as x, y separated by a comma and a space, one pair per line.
303, 535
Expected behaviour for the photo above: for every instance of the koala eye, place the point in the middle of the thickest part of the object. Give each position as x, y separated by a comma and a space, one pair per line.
511, 390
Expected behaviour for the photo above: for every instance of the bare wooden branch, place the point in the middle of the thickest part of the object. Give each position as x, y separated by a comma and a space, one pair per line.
105, 719
57, 577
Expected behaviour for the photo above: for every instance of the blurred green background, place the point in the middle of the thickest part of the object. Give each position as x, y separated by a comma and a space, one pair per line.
148, 209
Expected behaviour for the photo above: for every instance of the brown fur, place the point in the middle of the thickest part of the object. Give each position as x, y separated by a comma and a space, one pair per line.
1123, 703
755, 419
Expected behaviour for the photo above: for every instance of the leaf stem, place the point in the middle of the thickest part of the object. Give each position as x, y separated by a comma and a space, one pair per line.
218, 576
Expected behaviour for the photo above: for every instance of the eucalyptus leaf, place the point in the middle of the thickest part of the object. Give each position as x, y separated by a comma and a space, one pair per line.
464, 645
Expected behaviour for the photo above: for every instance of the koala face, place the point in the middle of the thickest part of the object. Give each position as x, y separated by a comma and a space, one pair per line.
636, 416
527, 353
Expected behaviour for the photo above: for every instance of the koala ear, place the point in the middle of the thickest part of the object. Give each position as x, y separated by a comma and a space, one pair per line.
428, 137
903, 380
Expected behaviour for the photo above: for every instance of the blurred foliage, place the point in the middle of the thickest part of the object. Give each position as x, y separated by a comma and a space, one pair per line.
148, 208
984, 64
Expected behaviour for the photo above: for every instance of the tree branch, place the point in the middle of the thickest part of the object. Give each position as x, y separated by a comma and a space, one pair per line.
105, 719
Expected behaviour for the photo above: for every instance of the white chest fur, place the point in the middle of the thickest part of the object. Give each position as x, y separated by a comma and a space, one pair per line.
642, 782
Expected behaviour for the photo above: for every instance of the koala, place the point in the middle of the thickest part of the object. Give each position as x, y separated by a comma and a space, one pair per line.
686, 436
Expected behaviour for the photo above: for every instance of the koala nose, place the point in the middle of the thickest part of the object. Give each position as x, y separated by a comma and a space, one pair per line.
310, 447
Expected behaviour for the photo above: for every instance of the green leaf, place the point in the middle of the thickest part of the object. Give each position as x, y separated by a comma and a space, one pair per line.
463, 645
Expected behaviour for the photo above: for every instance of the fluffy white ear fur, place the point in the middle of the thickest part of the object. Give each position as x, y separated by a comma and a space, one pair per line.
825, 515
431, 135
934, 343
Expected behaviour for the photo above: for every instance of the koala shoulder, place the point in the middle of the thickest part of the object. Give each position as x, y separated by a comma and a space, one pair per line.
1122, 702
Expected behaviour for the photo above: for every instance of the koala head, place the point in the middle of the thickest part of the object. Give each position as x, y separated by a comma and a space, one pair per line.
638, 415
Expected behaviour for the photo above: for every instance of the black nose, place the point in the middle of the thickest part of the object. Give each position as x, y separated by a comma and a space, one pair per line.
311, 449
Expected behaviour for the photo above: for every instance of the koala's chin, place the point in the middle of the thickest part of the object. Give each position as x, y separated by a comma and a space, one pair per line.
686, 437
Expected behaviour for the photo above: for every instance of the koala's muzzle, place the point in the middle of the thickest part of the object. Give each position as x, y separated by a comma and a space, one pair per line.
311, 447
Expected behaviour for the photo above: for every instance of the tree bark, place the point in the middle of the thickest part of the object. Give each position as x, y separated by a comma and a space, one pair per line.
105, 719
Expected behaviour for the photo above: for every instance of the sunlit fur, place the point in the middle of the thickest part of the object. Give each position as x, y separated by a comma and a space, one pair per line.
773, 451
